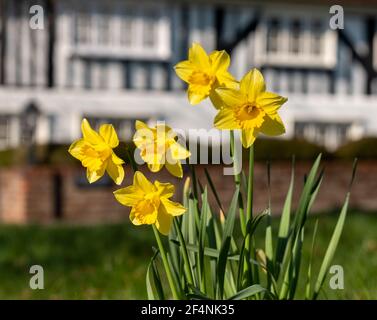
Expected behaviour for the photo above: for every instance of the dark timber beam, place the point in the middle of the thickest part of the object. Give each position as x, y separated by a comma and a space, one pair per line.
219, 26
50, 12
240, 35
3, 40
371, 29
365, 60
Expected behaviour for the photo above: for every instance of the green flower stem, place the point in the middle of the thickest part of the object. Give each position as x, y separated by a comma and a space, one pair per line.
237, 180
187, 264
249, 215
250, 185
166, 264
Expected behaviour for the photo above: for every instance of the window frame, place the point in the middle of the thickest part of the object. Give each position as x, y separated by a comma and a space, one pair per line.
326, 58
114, 48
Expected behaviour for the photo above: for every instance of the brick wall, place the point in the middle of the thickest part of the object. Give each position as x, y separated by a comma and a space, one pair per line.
45, 194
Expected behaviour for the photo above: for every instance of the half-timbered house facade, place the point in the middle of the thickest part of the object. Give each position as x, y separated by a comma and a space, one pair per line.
112, 61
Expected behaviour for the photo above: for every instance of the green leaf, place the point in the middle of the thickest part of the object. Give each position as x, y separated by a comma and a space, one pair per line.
196, 294
284, 224
296, 265
315, 190
213, 189
248, 292
227, 236
131, 159
331, 248
154, 292
308, 288
186, 260
305, 197
202, 237
250, 229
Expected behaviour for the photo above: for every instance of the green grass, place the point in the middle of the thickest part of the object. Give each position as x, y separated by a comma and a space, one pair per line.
110, 261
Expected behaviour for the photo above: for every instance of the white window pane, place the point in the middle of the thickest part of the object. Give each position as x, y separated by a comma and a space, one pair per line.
149, 29
83, 29
127, 30
103, 29
316, 38
273, 35
295, 37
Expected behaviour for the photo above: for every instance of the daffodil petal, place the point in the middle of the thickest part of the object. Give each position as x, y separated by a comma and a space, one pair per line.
139, 125
155, 167
93, 164
272, 125
184, 70
94, 175
252, 84
178, 152
129, 196
198, 56
164, 189
195, 96
89, 134
142, 182
248, 137
231, 97
216, 99
164, 221
173, 208
109, 135
115, 171
270, 102
225, 79
116, 159
175, 169
225, 120
76, 149
134, 218
220, 60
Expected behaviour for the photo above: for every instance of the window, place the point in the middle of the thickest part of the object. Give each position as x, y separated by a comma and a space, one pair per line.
295, 37
135, 31
149, 29
103, 29
127, 30
272, 36
285, 40
316, 38
83, 29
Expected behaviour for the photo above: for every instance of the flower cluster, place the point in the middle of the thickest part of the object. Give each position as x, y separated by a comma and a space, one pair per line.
242, 105
149, 201
205, 258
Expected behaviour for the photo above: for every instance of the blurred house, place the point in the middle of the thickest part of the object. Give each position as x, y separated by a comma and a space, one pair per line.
112, 61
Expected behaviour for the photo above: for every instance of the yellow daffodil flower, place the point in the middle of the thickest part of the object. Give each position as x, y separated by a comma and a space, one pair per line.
204, 73
95, 151
250, 109
158, 147
150, 202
